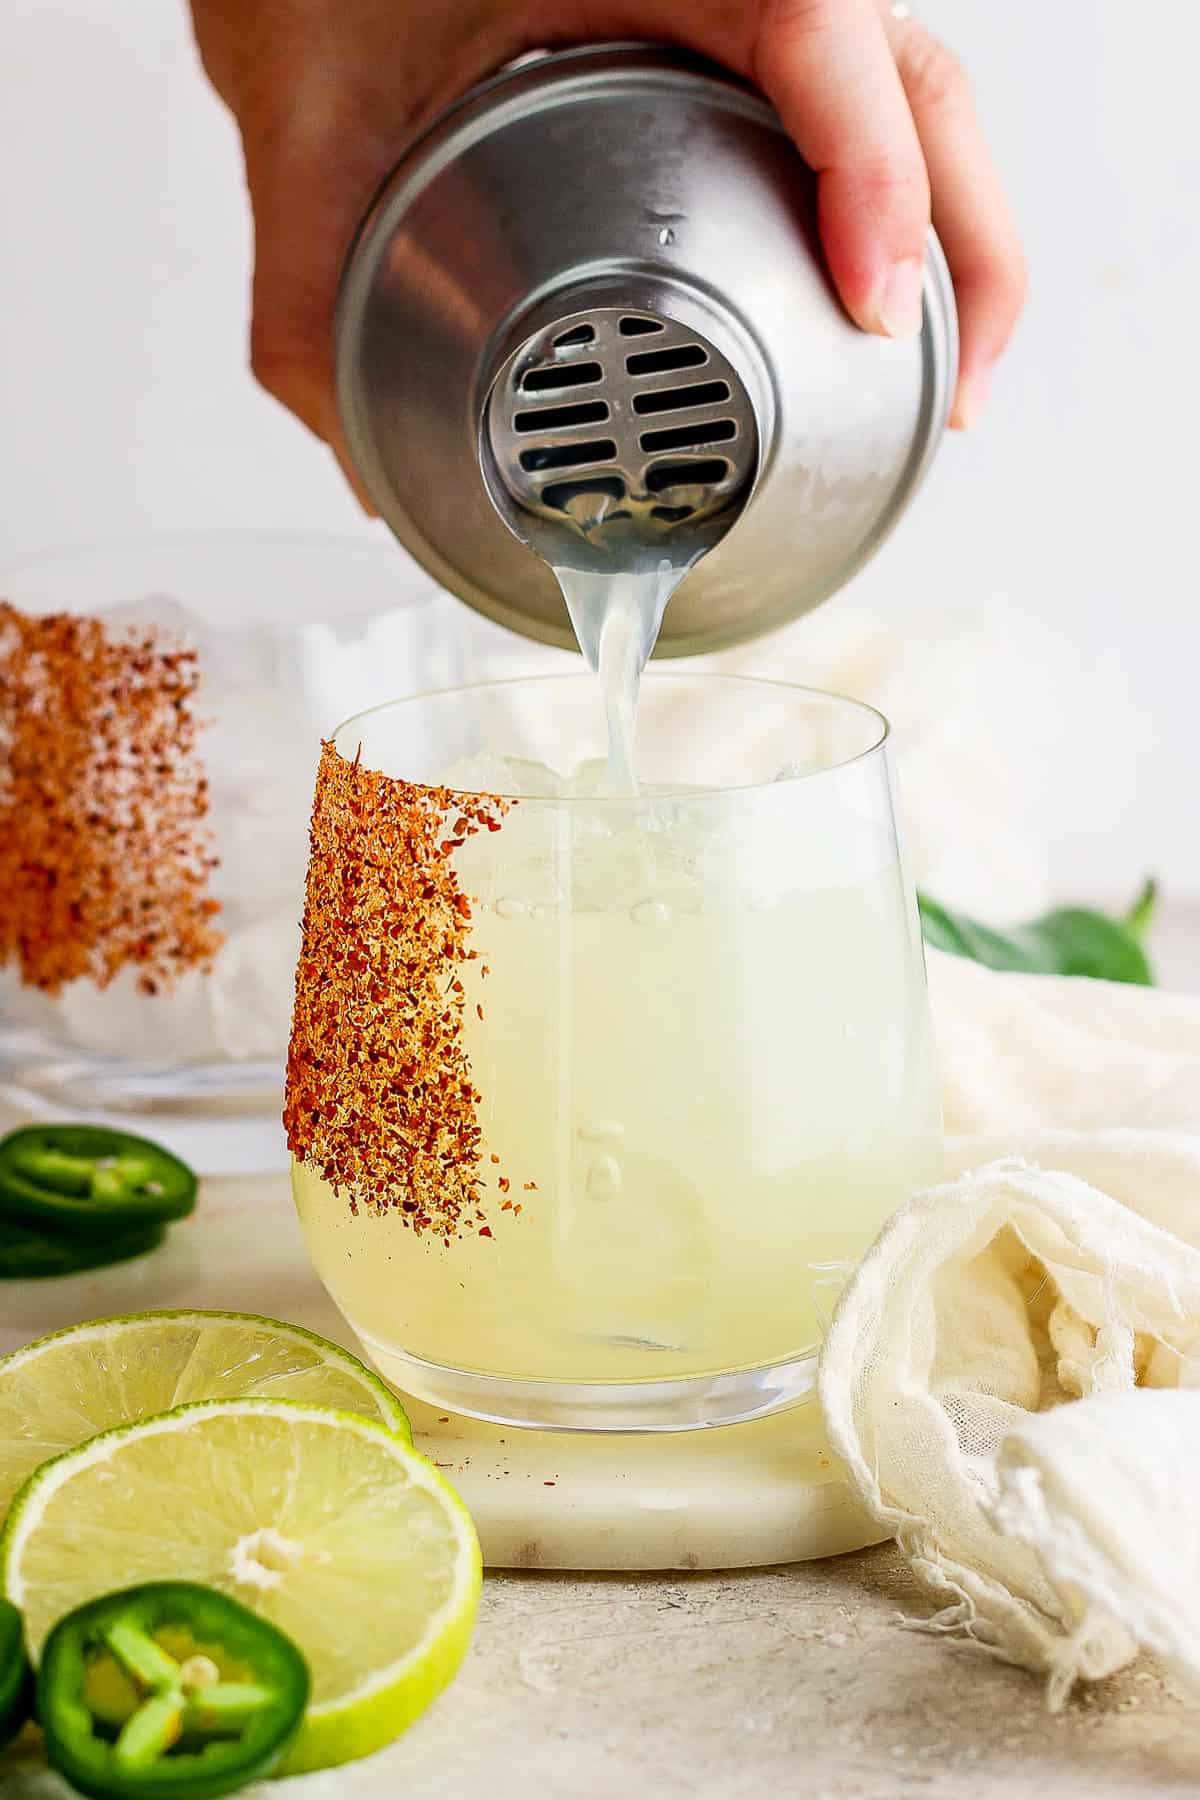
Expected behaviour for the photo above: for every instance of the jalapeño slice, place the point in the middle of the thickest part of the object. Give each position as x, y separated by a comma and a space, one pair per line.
90, 1181
168, 1692
16, 1677
28, 1255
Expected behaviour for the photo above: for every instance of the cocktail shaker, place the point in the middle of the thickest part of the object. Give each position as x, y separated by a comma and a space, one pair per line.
588, 310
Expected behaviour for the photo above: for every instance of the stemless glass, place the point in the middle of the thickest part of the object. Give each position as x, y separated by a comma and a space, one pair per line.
668, 1056
288, 633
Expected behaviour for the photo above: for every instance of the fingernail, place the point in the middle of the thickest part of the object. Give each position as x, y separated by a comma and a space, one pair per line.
970, 400
899, 308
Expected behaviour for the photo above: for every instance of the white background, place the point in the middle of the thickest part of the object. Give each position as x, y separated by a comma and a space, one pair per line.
1068, 524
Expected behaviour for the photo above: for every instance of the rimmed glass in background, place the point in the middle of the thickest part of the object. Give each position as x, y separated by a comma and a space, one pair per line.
696, 1022
291, 632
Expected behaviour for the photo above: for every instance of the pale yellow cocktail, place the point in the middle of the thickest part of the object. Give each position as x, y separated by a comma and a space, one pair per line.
696, 1026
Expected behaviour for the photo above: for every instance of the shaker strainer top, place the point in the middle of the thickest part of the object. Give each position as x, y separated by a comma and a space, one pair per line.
619, 435
588, 312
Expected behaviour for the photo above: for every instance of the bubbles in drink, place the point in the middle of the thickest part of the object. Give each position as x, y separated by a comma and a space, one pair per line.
651, 912
600, 1131
604, 1178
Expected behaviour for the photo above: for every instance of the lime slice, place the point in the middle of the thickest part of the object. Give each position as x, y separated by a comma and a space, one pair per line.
325, 1523
63, 1389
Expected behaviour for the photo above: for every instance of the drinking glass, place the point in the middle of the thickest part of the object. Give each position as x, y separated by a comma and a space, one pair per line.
595, 1100
287, 634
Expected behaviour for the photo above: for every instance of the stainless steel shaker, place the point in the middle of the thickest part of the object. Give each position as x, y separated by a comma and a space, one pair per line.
592, 292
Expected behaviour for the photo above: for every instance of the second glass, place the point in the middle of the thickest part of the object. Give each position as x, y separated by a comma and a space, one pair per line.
283, 631
683, 1037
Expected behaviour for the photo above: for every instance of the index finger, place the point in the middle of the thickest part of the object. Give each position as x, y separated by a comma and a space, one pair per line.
829, 70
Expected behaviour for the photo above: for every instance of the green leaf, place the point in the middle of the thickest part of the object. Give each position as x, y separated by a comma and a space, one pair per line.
1137, 919
1068, 941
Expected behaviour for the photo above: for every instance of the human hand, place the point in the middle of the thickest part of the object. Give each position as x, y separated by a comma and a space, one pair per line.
328, 92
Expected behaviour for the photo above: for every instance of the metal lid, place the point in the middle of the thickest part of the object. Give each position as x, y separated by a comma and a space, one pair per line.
588, 186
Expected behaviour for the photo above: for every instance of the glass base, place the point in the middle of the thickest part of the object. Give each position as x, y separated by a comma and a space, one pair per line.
222, 1117
687, 1403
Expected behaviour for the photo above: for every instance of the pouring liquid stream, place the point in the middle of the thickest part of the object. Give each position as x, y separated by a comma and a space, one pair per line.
616, 618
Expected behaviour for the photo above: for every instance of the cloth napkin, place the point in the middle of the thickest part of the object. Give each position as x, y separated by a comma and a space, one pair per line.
1011, 1374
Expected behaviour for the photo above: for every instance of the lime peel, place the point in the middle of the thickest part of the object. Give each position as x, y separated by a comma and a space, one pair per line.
356, 1711
82, 1376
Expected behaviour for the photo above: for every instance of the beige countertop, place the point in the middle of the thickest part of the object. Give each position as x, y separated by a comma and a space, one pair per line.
799, 1681
762, 1684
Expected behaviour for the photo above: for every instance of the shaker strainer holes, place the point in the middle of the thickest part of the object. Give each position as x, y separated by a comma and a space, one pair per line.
567, 456
557, 418
561, 375
674, 356
702, 393
687, 474
559, 494
685, 437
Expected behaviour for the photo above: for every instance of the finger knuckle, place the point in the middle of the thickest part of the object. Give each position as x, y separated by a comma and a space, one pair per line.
281, 367
1005, 275
933, 75
1016, 283
896, 187
1012, 288
788, 20
994, 289
270, 366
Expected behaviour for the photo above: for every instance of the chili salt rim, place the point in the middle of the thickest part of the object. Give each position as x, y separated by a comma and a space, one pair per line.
380, 1098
